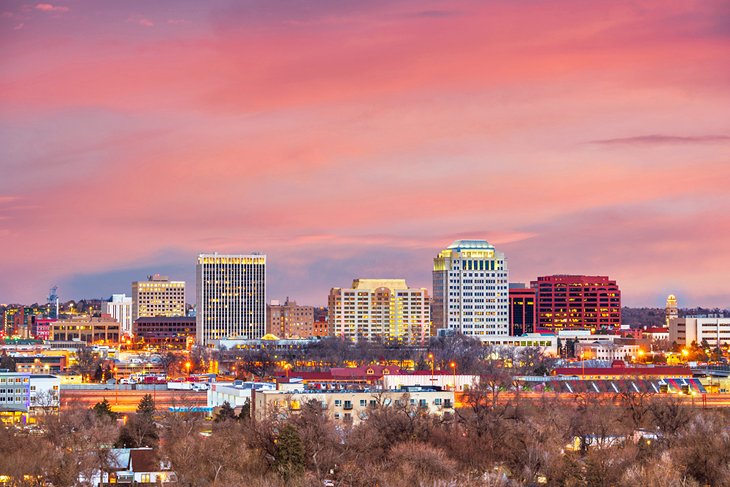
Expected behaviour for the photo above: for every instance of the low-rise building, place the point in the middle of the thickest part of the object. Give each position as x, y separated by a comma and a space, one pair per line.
606, 350
236, 393
22, 393
97, 330
352, 407
619, 370
133, 466
174, 332
425, 378
685, 331
655, 333
547, 342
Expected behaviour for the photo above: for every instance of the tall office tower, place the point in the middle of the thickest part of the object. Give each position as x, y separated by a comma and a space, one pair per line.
289, 320
671, 311
522, 312
120, 308
470, 293
157, 296
583, 302
385, 309
231, 297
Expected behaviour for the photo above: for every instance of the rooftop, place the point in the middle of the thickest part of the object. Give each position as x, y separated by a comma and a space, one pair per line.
471, 245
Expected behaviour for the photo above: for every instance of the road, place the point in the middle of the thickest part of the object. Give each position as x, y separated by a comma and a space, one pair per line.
126, 401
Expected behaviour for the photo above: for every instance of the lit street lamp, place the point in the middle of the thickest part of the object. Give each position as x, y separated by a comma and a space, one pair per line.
453, 367
187, 366
116, 386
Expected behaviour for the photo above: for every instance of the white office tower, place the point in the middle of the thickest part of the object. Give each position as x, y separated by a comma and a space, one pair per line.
470, 290
231, 297
380, 309
120, 308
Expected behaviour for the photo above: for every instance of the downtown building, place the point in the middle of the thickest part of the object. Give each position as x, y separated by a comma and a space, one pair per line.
380, 309
157, 296
120, 308
470, 290
231, 297
522, 310
577, 302
289, 320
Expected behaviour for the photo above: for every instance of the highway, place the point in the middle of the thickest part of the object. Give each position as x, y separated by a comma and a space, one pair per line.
126, 401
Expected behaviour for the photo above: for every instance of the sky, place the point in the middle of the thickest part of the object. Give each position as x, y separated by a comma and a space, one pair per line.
349, 139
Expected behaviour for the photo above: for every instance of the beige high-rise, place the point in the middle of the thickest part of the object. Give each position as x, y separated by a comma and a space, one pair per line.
158, 296
385, 309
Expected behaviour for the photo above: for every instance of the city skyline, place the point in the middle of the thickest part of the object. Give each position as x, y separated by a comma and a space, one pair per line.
351, 140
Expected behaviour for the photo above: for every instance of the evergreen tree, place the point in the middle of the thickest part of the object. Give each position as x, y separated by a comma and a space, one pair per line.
146, 405
104, 410
289, 453
245, 413
225, 413
7, 362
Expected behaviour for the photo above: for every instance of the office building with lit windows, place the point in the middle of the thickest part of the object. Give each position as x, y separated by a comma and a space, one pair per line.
231, 297
577, 302
120, 308
470, 289
522, 311
380, 309
157, 296
289, 320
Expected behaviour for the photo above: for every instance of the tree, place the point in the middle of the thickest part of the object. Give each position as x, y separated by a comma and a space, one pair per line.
104, 410
7, 362
225, 413
289, 453
87, 362
140, 430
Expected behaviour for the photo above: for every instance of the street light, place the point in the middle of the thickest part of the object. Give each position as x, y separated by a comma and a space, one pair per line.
187, 366
116, 384
430, 358
453, 367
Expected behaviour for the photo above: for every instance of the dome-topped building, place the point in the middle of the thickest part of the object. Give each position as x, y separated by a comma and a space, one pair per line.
471, 290
671, 311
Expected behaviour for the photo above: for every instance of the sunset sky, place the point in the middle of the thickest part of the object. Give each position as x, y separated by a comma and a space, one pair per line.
351, 139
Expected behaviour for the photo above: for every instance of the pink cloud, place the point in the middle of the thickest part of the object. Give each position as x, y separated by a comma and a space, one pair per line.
47, 7
362, 138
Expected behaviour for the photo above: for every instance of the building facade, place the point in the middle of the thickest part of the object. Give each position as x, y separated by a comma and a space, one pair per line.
231, 297
522, 310
380, 309
607, 350
289, 320
120, 308
671, 311
470, 289
352, 407
573, 301
98, 330
171, 332
685, 331
158, 296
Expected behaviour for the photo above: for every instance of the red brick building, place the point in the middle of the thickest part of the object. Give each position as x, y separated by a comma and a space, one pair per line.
577, 302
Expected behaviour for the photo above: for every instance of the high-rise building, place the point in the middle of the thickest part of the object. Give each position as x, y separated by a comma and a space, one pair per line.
671, 311
470, 289
120, 308
289, 320
384, 309
522, 311
231, 297
158, 296
584, 302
